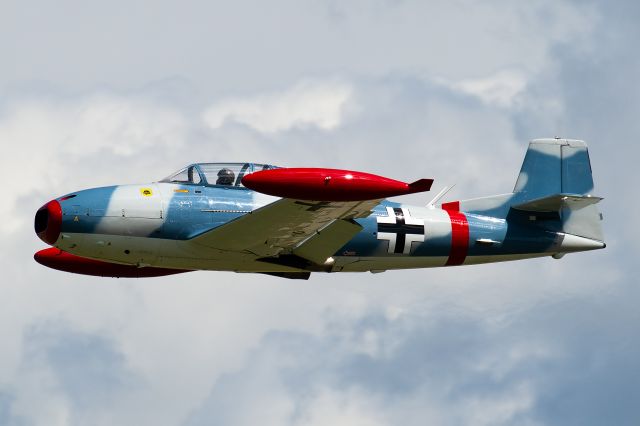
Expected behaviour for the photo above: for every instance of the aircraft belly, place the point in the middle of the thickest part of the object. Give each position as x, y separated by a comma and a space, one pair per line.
477, 260
380, 264
163, 253
130, 250
375, 263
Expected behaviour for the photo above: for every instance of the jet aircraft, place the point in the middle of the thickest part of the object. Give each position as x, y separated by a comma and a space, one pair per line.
289, 222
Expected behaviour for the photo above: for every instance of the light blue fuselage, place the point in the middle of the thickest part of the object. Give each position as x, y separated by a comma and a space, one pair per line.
167, 224
109, 217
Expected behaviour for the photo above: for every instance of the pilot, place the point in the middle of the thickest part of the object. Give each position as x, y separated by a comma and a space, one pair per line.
225, 177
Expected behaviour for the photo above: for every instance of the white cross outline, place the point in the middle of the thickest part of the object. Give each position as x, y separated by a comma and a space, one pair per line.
391, 237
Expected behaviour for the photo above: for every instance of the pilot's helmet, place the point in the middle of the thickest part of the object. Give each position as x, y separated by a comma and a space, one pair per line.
225, 177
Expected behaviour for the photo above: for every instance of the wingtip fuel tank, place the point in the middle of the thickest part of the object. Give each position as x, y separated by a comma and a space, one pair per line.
319, 184
63, 261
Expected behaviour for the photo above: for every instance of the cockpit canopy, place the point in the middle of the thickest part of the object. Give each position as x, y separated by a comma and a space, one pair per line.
211, 174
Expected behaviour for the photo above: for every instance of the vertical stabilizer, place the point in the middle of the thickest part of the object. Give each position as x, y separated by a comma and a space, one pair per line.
555, 178
559, 169
554, 166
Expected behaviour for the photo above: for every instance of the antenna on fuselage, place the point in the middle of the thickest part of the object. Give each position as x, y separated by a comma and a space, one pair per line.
432, 204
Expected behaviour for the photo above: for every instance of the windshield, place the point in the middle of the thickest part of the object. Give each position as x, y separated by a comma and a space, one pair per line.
218, 174
188, 175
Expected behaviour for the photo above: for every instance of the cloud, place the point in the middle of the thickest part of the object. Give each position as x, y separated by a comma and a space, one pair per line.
441, 364
393, 347
500, 89
52, 139
282, 340
533, 342
309, 103
84, 372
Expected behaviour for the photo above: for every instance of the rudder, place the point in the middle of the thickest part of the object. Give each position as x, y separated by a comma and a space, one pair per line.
558, 172
554, 166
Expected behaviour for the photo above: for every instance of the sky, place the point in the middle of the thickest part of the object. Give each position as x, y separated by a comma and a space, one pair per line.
100, 93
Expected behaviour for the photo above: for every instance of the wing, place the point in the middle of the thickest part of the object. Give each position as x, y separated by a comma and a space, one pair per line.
312, 230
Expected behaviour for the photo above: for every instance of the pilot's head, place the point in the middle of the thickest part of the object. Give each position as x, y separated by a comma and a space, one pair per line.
225, 177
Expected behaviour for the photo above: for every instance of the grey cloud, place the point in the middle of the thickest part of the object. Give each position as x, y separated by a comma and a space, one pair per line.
6, 415
251, 46
88, 369
397, 126
537, 342
596, 86
563, 353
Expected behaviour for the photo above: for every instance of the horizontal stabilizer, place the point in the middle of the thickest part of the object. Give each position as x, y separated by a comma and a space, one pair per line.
421, 185
558, 202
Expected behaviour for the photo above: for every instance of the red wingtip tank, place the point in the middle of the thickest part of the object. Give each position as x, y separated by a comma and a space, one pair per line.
61, 260
329, 184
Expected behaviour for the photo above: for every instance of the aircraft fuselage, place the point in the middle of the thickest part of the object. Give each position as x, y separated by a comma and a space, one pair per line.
218, 216
154, 225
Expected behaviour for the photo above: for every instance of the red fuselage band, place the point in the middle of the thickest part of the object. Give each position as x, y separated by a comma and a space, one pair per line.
459, 238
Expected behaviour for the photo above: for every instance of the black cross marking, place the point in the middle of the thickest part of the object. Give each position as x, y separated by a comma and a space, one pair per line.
401, 229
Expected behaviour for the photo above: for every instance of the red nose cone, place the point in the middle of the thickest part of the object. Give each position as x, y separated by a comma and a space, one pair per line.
48, 222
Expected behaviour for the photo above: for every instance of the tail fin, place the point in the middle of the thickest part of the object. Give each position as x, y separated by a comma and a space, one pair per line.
554, 166
555, 178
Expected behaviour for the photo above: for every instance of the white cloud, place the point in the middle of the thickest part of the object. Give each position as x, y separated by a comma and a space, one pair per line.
434, 371
319, 104
217, 335
341, 408
501, 409
500, 89
48, 140
531, 342
221, 47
